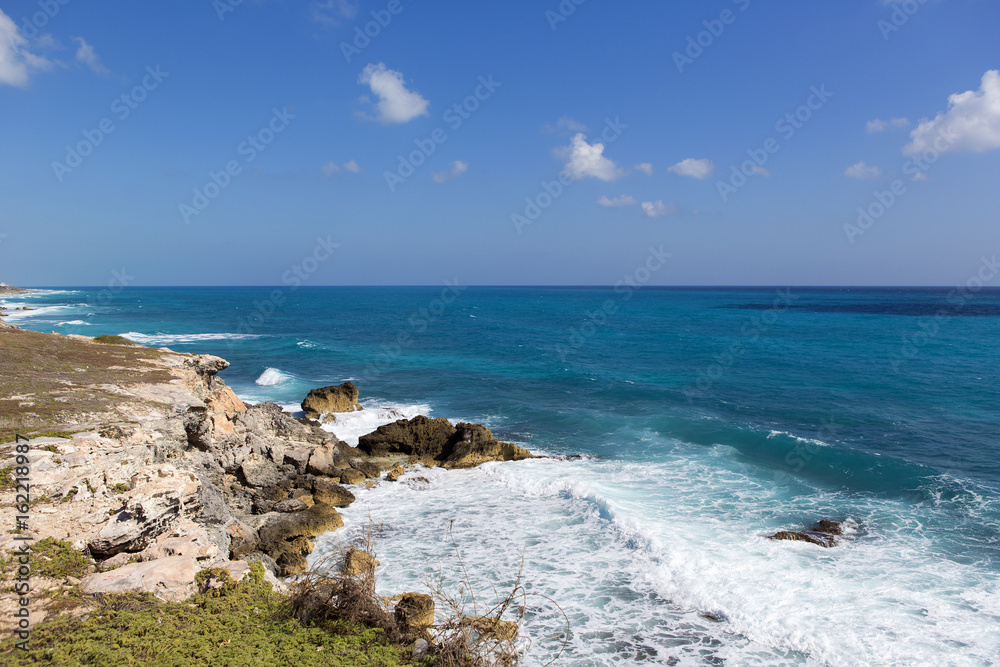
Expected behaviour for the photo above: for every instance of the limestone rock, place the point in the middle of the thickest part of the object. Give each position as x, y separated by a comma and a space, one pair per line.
243, 539
352, 476
171, 579
326, 491
395, 473
414, 612
342, 398
279, 537
290, 505
420, 437
327, 460
157, 499
358, 563
367, 468
474, 444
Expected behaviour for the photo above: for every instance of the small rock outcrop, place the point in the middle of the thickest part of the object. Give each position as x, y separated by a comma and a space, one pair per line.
414, 613
323, 401
824, 533
171, 579
286, 537
437, 442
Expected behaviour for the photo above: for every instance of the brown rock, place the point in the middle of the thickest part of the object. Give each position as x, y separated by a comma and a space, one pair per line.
358, 563
342, 398
327, 460
493, 628
414, 612
474, 444
352, 476
419, 437
367, 468
243, 539
290, 505
331, 493
394, 474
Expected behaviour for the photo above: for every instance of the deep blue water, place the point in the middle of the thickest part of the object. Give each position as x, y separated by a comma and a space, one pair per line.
708, 418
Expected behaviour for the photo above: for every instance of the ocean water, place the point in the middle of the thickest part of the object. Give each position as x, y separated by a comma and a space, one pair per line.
704, 420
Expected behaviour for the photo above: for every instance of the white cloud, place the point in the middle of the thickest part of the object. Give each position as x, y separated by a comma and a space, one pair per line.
565, 124
330, 12
863, 171
86, 55
971, 124
457, 169
693, 168
331, 168
761, 171
585, 160
622, 200
395, 104
645, 168
879, 125
657, 209
16, 62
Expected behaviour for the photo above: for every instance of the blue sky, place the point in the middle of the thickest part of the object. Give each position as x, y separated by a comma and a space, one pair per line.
642, 124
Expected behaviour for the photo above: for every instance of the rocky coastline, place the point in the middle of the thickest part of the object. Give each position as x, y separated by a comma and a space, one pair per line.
163, 472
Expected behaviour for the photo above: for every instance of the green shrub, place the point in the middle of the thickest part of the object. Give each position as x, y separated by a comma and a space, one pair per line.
113, 340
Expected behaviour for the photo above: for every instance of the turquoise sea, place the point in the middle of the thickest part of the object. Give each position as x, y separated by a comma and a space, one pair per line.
704, 420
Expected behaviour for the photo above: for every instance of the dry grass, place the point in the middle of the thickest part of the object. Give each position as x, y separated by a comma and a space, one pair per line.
51, 381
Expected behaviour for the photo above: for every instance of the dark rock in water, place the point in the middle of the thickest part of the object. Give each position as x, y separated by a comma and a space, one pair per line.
366, 468
342, 398
437, 442
822, 533
420, 437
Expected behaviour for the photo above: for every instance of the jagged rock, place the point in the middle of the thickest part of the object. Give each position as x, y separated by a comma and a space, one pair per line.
327, 460
243, 539
414, 612
419, 437
279, 536
352, 476
394, 474
261, 473
493, 628
331, 493
436, 441
342, 398
304, 495
290, 505
158, 498
474, 444
224, 400
185, 539
298, 459
822, 533
171, 579
358, 563
367, 468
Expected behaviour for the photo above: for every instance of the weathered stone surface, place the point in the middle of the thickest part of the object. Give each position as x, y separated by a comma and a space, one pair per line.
436, 441
420, 437
331, 493
395, 473
279, 536
243, 539
260, 472
366, 468
224, 400
474, 444
414, 612
358, 563
327, 460
342, 398
184, 539
352, 476
290, 505
171, 579
156, 501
